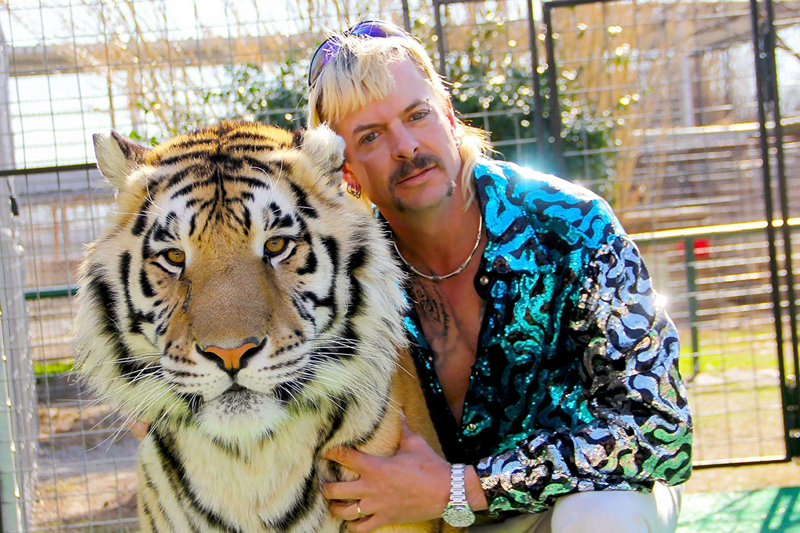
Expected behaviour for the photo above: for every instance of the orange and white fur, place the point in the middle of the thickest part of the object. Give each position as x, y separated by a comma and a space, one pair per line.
251, 311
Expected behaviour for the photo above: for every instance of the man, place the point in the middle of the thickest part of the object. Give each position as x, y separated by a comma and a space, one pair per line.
549, 367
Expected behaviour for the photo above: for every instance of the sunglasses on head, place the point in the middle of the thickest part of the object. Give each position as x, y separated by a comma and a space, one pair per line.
328, 49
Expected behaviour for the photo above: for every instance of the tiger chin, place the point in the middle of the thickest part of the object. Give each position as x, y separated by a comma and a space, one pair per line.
251, 312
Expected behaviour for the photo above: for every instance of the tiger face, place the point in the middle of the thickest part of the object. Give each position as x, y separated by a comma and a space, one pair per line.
236, 284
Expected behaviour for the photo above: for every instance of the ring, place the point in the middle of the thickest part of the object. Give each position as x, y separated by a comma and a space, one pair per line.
358, 510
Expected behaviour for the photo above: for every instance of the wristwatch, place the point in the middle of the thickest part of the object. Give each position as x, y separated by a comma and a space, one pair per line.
457, 513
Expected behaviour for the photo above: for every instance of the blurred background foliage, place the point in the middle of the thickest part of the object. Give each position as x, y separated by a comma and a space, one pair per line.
490, 91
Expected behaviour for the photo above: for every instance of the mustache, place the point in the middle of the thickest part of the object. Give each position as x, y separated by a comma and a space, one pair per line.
419, 162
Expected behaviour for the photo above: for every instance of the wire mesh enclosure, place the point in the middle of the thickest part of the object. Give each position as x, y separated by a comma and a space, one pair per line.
653, 105
675, 83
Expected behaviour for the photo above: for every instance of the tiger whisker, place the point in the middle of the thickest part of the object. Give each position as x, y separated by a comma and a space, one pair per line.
124, 424
111, 413
330, 356
135, 412
132, 359
164, 418
357, 379
350, 342
293, 386
361, 382
142, 402
134, 375
325, 394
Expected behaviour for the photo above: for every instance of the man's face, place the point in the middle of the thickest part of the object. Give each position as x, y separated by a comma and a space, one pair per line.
402, 150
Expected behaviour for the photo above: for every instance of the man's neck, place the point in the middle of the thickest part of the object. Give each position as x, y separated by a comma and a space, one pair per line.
437, 241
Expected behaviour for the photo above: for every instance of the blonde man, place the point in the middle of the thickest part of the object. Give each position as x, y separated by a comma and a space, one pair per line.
549, 368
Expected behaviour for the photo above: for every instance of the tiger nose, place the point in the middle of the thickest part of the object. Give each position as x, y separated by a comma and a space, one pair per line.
229, 359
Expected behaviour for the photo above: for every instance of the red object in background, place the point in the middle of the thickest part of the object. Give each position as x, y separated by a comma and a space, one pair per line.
701, 248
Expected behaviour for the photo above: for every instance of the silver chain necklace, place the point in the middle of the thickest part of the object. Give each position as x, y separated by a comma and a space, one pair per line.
453, 273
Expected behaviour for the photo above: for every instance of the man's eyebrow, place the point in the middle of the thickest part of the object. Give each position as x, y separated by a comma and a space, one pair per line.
415, 103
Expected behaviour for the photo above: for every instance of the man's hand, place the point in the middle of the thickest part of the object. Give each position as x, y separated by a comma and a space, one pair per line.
413, 486
139, 429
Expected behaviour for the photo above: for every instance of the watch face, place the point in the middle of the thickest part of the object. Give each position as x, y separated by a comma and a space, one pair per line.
458, 515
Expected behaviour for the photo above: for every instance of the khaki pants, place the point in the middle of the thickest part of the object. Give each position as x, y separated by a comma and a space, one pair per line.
601, 512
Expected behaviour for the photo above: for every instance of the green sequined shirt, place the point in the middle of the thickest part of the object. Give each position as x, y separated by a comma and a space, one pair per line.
575, 386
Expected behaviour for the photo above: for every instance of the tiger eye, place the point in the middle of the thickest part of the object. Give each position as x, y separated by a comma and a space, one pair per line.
275, 245
175, 256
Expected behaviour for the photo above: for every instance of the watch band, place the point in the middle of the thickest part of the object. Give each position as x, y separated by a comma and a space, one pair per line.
458, 485
457, 513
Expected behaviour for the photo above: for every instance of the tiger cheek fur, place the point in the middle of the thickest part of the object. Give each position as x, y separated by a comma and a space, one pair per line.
251, 312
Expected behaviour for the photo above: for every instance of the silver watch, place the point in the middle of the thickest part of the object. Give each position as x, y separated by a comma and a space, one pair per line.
457, 513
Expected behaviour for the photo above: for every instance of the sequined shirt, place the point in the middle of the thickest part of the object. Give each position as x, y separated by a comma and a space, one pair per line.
575, 385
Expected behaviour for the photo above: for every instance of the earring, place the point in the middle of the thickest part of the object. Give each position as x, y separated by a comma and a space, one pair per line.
354, 189
457, 138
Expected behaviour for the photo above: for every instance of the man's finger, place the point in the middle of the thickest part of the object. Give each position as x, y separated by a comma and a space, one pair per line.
343, 490
344, 510
408, 437
406, 430
349, 457
139, 429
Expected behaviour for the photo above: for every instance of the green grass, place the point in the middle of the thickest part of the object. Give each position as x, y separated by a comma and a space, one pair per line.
735, 396
53, 367
747, 349
759, 511
736, 422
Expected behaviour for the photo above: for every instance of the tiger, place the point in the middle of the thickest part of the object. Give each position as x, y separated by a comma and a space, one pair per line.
251, 311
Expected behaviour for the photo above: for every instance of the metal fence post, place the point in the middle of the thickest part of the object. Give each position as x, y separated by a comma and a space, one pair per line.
691, 291
763, 83
18, 421
771, 82
556, 142
437, 15
406, 17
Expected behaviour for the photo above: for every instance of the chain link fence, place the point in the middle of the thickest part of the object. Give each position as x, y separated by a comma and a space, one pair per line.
676, 83
656, 111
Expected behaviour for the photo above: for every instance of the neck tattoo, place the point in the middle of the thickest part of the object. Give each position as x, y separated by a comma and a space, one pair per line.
453, 273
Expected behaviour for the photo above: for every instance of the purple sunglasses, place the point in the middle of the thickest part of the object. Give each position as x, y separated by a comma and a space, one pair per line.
328, 49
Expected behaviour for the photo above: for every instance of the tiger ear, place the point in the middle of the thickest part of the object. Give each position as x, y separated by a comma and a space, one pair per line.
117, 157
325, 149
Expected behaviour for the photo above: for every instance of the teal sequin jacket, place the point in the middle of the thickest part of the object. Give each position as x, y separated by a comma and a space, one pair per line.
575, 386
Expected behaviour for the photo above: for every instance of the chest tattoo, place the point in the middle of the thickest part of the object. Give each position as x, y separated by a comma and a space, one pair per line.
430, 307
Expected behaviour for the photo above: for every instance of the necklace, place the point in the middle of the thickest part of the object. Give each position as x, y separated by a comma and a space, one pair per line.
453, 273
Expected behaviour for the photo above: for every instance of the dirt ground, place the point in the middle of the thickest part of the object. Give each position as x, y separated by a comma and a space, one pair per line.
87, 468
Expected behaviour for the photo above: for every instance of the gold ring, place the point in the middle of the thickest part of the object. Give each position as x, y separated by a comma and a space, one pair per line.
358, 510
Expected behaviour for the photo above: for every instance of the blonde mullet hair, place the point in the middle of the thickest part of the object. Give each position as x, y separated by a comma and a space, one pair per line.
358, 74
